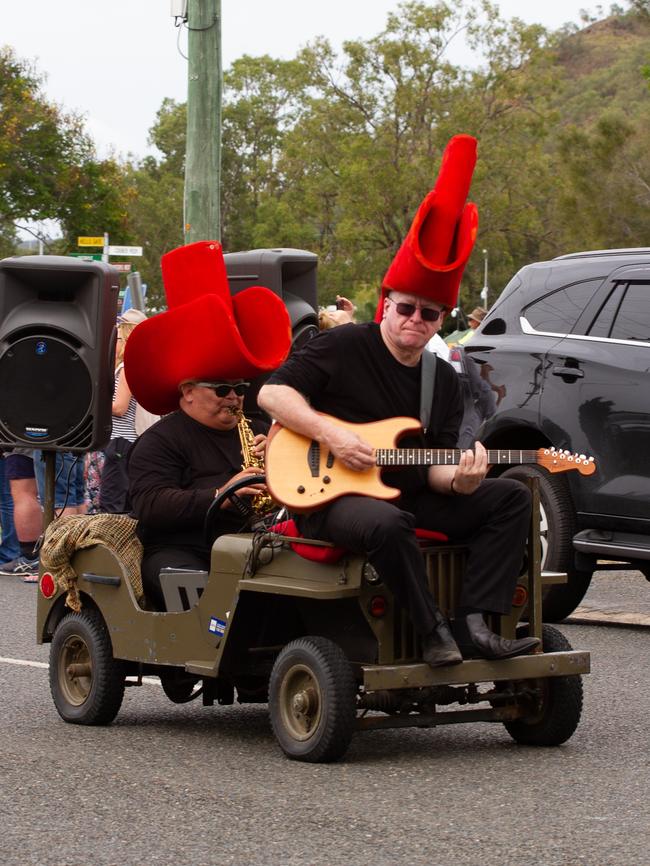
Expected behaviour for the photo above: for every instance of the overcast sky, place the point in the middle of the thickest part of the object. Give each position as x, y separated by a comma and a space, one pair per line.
115, 60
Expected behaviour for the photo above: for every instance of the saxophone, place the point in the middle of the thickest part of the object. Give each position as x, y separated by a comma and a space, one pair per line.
262, 503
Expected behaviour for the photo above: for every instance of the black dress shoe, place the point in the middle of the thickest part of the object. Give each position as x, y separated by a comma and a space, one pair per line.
476, 640
439, 647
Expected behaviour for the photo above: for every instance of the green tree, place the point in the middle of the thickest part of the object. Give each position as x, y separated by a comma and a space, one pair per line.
48, 166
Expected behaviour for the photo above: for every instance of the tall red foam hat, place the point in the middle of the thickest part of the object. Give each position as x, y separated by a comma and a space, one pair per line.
434, 253
205, 334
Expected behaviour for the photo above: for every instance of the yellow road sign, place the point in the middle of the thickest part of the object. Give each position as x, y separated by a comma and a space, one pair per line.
90, 242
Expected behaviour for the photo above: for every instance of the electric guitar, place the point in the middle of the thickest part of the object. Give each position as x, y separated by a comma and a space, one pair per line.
303, 476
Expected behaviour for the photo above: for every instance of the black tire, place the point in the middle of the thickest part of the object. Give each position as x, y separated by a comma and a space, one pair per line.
179, 686
312, 700
557, 528
556, 715
86, 682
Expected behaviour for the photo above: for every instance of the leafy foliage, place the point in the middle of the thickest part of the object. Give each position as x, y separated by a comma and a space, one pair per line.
334, 153
48, 168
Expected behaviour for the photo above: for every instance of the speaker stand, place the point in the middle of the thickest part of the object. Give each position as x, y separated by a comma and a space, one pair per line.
48, 492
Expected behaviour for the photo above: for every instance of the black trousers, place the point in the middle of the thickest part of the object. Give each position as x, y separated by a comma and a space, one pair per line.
493, 522
157, 556
114, 483
168, 557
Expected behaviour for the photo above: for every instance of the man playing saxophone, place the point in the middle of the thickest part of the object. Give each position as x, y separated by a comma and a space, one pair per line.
191, 364
178, 467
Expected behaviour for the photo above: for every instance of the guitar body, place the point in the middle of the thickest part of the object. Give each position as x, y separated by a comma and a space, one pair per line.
303, 476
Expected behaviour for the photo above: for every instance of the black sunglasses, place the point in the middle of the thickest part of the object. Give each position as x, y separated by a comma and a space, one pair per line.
428, 313
222, 389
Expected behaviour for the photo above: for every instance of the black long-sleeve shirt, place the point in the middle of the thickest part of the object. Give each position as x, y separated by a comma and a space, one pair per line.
349, 372
174, 469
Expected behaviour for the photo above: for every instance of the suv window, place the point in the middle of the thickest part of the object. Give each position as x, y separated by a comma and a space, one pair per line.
602, 323
633, 319
557, 312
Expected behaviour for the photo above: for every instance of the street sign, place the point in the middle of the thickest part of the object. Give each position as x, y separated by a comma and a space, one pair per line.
125, 251
122, 267
87, 257
90, 242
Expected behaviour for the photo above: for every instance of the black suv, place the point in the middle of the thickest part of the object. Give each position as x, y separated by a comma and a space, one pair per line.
566, 351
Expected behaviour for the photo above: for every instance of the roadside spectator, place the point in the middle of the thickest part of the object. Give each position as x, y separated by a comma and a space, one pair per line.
9, 548
340, 314
474, 320
28, 515
114, 483
69, 491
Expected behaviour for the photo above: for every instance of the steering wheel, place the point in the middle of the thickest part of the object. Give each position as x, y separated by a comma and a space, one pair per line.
243, 507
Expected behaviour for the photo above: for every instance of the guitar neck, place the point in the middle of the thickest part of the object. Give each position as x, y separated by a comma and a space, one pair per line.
448, 456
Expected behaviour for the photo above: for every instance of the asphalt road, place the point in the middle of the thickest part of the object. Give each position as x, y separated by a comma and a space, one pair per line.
169, 784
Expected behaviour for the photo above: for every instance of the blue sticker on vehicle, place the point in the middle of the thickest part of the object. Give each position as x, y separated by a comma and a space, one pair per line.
217, 626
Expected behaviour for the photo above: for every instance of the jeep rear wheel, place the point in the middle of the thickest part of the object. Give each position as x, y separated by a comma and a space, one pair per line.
86, 682
555, 710
312, 700
557, 528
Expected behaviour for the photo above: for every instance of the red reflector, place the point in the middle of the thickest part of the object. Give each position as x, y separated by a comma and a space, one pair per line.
377, 606
48, 586
454, 355
520, 596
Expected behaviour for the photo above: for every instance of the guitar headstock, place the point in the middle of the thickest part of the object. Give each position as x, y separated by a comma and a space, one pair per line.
562, 461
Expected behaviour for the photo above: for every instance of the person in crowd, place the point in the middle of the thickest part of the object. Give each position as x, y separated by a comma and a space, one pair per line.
9, 548
342, 313
192, 365
114, 480
473, 320
373, 372
27, 512
70, 487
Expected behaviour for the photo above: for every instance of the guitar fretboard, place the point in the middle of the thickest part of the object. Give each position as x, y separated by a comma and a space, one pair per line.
447, 456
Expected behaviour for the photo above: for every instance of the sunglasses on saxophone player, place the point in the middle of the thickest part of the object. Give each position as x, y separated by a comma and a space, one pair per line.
222, 389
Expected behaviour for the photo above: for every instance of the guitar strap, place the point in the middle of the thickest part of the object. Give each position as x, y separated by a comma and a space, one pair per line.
427, 385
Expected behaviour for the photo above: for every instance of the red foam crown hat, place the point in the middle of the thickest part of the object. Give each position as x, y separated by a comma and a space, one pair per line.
205, 334
434, 253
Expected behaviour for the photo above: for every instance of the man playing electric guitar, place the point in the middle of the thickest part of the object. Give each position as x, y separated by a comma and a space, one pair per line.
369, 372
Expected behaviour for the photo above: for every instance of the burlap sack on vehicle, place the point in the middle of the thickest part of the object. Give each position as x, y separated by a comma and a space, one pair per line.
66, 535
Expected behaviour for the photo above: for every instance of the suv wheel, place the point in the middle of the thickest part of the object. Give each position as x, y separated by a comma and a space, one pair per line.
557, 528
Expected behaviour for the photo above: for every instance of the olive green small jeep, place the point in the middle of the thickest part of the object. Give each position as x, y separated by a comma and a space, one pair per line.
324, 644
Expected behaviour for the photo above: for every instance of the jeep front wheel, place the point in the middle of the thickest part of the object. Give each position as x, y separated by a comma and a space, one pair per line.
312, 700
557, 528
555, 710
86, 682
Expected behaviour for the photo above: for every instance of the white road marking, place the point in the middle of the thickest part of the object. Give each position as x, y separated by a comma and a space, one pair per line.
150, 681
24, 662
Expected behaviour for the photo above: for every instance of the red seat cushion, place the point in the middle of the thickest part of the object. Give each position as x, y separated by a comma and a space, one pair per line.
330, 555
430, 535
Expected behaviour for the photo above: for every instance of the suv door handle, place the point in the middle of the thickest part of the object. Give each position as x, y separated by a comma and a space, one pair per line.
568, 372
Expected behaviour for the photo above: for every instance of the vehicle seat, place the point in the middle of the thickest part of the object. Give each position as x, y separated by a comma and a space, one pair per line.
182, 588
331, 554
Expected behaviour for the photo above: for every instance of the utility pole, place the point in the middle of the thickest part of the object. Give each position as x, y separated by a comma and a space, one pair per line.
202, 215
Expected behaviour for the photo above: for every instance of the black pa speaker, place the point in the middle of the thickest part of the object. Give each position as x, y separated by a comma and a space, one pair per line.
57, 352
291, 274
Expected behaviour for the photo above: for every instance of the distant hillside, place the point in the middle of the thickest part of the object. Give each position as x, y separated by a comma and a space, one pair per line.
603, 65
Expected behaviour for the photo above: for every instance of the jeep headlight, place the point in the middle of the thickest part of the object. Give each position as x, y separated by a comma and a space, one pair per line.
370, 574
